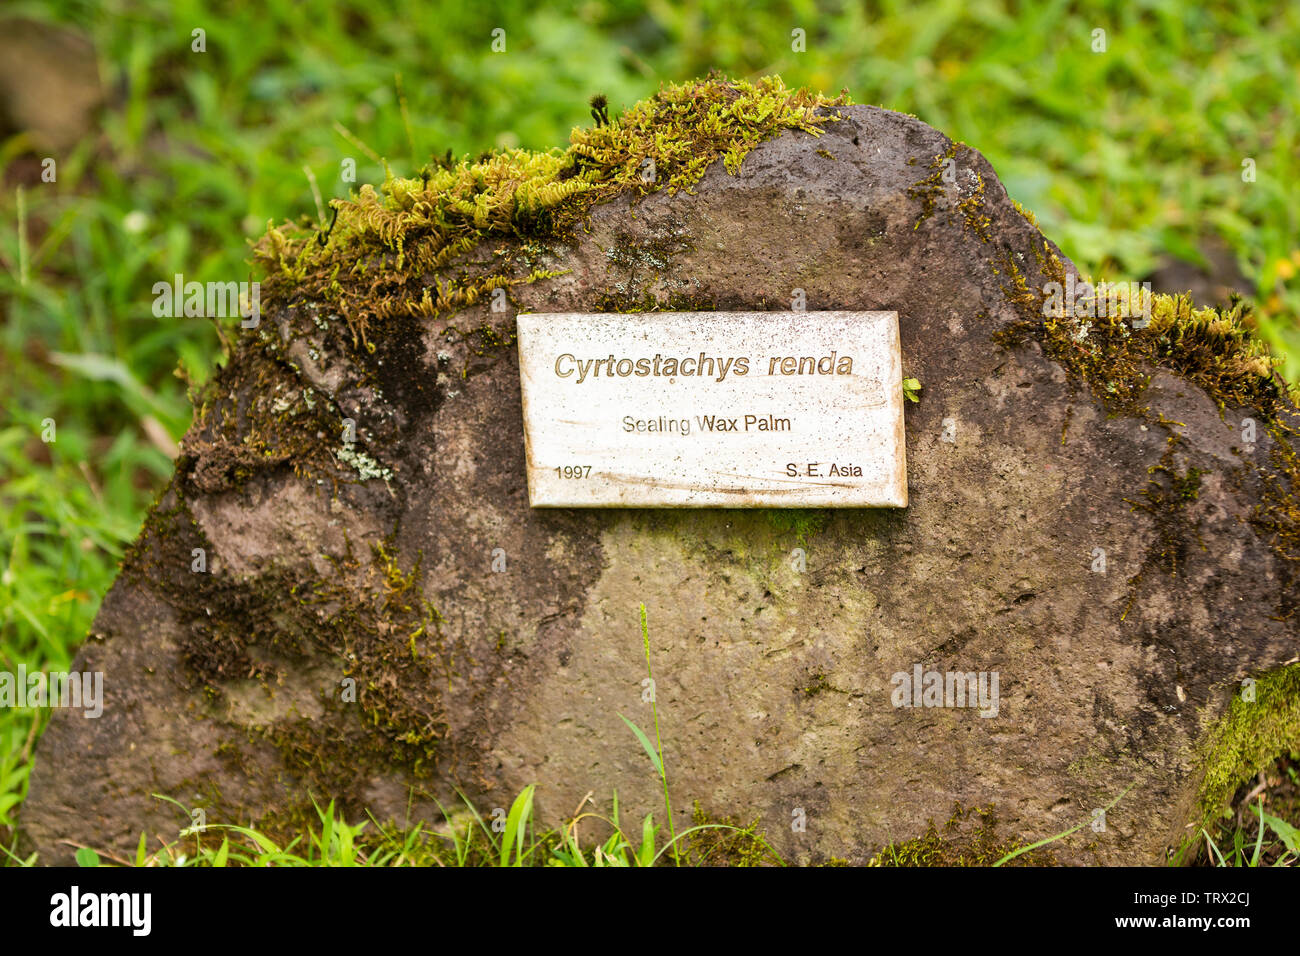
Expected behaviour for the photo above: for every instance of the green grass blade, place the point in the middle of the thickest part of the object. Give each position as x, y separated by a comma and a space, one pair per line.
1289, 835
1052, 839
1214, 849
645, 856
646, 745
1259, 837
516, 823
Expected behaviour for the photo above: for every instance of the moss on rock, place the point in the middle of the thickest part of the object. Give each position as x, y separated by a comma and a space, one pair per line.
1112, 338
396, 250
969, 838
1248, 737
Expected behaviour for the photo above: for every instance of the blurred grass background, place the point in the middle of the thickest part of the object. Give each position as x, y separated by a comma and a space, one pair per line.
1132, 159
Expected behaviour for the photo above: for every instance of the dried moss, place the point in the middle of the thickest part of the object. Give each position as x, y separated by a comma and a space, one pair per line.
1100, 341
969, 838
1216, 349
257, 415
725, 842
647, 282
1115, 355
974, 217
928, 190
366, 620
1165, 499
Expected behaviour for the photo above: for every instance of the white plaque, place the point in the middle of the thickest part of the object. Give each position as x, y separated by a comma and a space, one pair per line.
713, 409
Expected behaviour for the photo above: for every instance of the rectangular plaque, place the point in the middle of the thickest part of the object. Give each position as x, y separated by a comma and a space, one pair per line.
713, 409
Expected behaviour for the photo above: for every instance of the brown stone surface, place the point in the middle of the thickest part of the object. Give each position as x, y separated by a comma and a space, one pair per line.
773, 685
49, 84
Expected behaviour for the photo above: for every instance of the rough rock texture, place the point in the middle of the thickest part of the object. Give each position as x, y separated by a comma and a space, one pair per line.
774, 686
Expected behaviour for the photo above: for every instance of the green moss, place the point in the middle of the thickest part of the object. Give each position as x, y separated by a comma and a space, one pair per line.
928, 191
969, 838
1248, 738
803, 523
726, 842
1027, 213
400, 249
1215, 349
459, 234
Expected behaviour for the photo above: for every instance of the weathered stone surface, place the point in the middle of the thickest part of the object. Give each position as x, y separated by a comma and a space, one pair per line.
774, 686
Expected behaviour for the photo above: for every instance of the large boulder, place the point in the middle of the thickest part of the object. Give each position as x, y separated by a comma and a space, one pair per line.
1086, 521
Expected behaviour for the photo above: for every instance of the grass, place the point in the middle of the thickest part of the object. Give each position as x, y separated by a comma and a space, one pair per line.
508, 840
463, 839
1283, 848
1240, 832
1125, 157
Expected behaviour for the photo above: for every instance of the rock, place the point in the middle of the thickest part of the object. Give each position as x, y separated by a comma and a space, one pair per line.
1029, 456
49, 84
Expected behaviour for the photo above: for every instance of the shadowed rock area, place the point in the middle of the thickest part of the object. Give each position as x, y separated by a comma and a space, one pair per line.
368, 558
